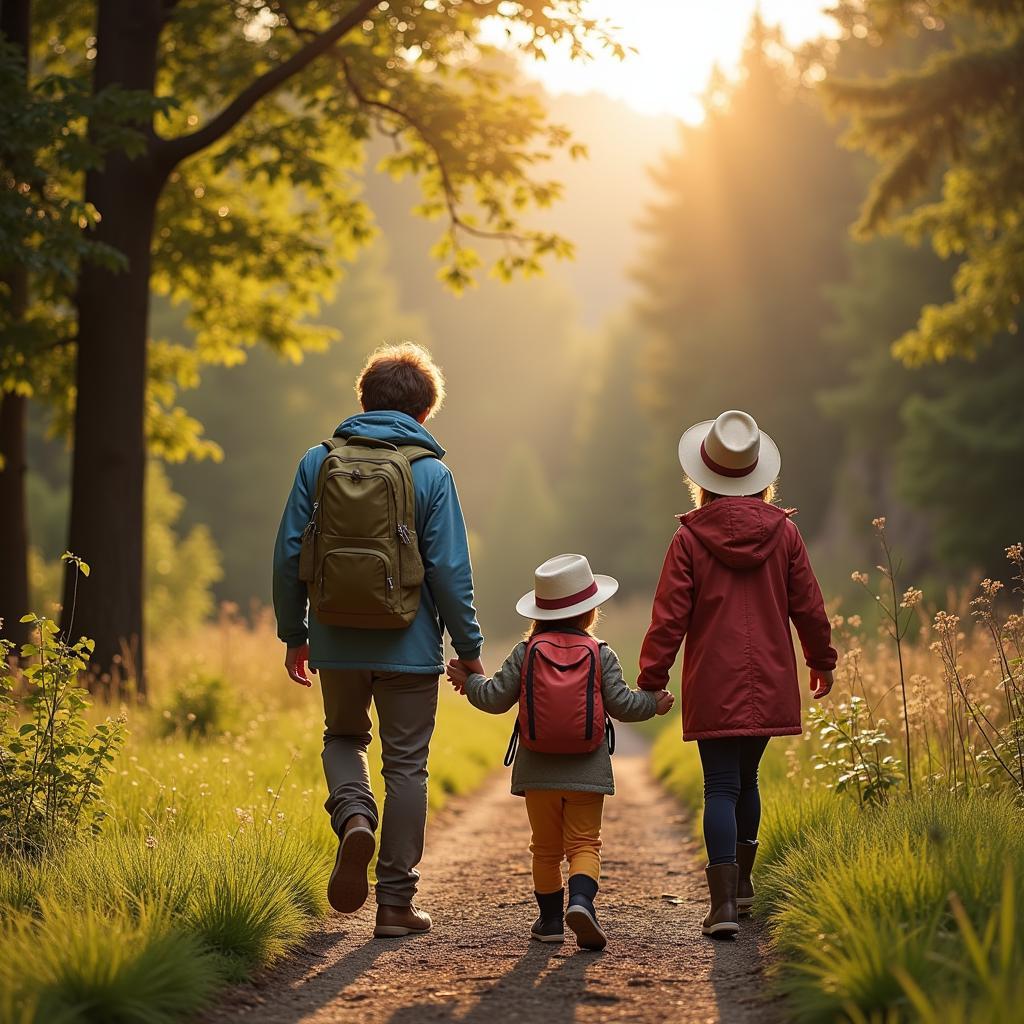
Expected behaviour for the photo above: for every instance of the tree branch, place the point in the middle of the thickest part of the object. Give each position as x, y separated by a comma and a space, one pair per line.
170, 152
447, 185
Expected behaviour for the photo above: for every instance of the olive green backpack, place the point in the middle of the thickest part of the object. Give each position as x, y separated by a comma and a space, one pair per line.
360, 556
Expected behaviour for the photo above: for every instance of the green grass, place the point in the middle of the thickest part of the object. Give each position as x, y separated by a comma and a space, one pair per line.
905, 912
213, 862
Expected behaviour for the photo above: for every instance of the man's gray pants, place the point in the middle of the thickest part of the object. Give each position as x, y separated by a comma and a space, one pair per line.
406, 708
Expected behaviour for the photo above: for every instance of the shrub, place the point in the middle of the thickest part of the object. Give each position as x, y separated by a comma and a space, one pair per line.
242, 911
52, 766
199, 707
859, 903
84, 964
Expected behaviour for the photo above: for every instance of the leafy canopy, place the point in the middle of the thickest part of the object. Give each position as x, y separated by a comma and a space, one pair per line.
960, 113
262, 205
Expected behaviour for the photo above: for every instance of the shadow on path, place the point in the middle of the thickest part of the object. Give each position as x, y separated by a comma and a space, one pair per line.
556, 981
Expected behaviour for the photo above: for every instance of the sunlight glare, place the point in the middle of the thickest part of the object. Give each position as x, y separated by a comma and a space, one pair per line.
678, 44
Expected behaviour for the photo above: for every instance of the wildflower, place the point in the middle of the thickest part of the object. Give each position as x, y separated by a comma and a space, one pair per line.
878, 523
151, 842
853, 622
911, 598
836, 621
244, 817
1015, 552
859, 577
945, 623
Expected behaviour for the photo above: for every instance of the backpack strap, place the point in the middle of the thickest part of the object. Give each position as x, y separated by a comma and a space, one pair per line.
513, 744
415, 452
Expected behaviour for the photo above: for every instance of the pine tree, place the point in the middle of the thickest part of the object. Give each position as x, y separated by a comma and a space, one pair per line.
959, 114
748, 231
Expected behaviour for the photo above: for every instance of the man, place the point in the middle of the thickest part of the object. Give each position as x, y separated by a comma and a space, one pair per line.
397, 668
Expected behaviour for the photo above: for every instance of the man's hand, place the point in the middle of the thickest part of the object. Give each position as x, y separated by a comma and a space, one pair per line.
821, 683
473, 668
665, 700
295, 663
457, 675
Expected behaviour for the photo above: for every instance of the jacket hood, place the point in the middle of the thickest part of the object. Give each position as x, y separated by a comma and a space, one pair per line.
740, 532
388, 425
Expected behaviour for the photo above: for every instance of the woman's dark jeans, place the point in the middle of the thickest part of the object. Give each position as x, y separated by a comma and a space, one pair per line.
732, 804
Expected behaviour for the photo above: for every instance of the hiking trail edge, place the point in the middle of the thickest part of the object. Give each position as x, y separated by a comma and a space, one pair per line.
478, 964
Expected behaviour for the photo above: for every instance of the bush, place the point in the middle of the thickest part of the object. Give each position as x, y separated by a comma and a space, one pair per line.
199, 707
859, 903
84, 964
52, 766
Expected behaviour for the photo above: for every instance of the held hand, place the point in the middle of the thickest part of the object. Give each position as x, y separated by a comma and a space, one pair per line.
821, 683
474, 667
457, 675
665, 700
295, 664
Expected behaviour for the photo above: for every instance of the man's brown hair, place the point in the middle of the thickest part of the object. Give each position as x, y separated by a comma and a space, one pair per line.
402, 377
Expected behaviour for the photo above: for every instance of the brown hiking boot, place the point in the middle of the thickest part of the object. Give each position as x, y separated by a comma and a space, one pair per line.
721, 919
348, 886
745, 854
393, 922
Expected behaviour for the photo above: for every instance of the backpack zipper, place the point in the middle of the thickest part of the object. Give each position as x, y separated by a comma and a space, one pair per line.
311, 525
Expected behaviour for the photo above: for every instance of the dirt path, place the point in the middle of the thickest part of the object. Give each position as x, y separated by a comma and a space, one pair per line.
478, 965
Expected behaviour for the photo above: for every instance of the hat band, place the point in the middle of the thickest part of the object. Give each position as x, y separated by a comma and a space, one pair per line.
725, 470
551, 603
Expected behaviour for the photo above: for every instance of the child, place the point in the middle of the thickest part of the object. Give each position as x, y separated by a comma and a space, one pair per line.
565, 681
735, 574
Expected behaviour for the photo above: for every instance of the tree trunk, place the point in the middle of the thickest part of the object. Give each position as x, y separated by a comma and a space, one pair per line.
14, 598
108, 468
15, 22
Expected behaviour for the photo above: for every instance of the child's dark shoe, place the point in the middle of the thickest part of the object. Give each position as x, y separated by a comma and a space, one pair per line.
549, 926
581, 916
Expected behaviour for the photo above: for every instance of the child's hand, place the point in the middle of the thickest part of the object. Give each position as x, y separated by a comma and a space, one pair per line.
457, 675
821, 683
665, 700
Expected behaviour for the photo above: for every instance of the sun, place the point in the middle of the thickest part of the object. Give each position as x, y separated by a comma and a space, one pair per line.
678, 44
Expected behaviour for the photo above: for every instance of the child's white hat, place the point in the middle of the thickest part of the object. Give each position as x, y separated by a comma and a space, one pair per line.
729, 455
565, 586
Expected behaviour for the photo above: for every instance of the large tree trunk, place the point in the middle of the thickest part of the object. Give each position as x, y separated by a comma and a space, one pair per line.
14, 597
15, 22
108, 468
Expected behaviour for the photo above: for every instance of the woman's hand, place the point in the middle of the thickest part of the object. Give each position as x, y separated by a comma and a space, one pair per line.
457, 675
664, 701
821, 683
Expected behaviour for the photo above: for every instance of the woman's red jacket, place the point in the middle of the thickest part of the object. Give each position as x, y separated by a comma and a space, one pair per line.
735, 575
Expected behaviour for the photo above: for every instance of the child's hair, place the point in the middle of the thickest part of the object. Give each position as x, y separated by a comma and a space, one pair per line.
403, 377
587, 623
701, 497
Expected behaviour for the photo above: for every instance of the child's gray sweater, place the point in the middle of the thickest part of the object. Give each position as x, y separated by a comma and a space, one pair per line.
586, 773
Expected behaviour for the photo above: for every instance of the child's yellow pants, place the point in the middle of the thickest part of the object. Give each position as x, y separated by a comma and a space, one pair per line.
565, 825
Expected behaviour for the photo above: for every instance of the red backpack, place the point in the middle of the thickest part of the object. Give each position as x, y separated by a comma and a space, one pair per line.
561, 710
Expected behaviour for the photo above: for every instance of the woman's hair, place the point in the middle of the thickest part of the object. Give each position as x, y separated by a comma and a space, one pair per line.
587, 623
701, 497
402, 377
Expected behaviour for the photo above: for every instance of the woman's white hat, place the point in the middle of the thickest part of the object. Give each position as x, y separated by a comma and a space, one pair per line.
729, 455
565, 586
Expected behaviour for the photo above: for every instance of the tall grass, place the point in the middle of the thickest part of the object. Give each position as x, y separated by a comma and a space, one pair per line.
214, 852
